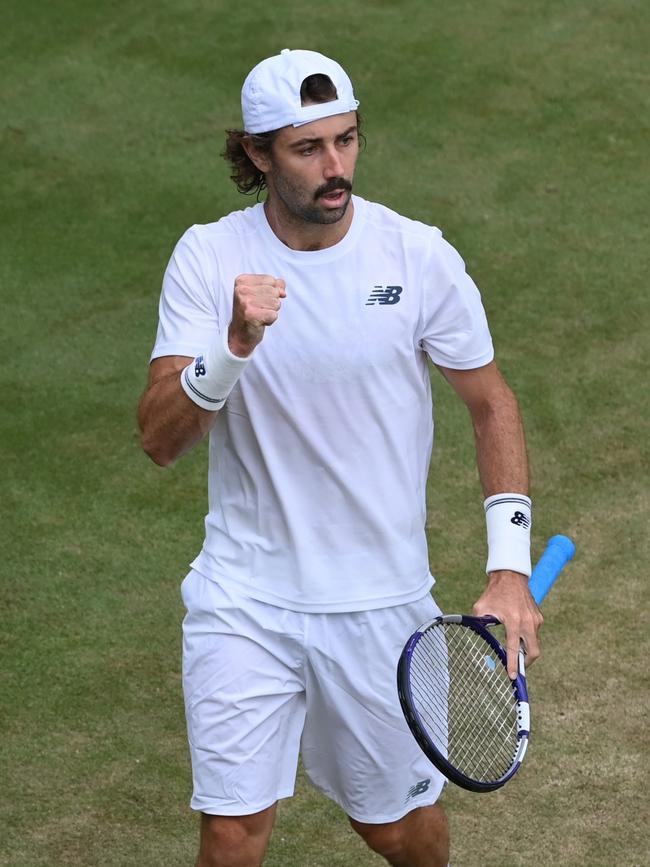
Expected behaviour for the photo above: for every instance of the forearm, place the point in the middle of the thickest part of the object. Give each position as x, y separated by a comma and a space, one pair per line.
503, 467
500, 445
170, 423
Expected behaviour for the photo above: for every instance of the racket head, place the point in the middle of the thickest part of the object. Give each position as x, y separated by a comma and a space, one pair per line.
469, 718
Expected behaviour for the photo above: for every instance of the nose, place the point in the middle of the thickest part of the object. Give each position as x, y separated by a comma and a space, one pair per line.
333, 165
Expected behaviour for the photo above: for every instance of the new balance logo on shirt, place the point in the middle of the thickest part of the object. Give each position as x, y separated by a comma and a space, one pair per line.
384, 295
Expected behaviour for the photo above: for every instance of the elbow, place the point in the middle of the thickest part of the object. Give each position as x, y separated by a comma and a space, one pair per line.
153, 445
155, 448
156, 452
159, 457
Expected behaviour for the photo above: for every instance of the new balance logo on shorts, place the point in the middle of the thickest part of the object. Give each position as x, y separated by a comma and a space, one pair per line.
199, 366
418, 789
520, 520
384, 295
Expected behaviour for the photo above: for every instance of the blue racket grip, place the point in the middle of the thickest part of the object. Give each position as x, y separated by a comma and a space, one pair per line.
559, 550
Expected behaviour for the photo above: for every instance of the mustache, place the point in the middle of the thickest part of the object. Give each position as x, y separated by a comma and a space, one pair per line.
332, 185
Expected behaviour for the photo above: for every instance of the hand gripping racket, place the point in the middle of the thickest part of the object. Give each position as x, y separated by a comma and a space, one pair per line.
468, 717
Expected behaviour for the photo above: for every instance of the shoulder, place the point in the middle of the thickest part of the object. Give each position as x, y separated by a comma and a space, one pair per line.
439, 248
383, 219
414, 235
238, 225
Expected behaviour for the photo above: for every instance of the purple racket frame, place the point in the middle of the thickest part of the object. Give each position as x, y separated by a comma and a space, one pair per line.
559, 550
480, 626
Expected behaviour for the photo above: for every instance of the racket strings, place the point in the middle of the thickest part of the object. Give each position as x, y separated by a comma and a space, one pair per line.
465, 700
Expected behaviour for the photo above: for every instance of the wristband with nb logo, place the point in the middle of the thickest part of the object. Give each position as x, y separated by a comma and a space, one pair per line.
509, 519
209, 379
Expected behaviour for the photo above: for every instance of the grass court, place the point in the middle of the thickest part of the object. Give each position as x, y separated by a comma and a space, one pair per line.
521, 129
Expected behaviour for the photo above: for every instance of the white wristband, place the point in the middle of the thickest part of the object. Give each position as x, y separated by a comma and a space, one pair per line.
210, 378
508, 518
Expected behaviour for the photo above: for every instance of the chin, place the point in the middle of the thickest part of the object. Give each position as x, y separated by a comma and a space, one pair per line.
333, 215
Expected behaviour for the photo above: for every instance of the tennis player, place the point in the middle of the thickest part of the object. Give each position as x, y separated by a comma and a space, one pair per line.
297, 334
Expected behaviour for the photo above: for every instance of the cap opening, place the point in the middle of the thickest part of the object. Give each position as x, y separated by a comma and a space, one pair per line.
316, 89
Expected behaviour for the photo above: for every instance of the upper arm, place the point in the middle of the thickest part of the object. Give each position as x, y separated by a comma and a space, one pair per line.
480, 388
500, 440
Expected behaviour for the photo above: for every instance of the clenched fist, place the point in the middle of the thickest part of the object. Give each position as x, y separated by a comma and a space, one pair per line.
256, 304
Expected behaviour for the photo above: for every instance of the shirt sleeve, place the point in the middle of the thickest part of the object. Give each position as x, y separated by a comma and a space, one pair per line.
454, 330
188, 315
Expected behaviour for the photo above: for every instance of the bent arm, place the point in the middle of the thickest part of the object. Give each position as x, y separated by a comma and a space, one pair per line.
170, 423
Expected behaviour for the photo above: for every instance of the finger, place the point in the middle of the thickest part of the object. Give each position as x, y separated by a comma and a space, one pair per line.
263, 303
512, 661
257, 285
258, 303
258, 280
268, 316
263, 294
276, 288
255, 279
513, 644
531, 645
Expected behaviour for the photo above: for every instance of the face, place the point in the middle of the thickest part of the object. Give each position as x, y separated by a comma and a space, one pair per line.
310, 169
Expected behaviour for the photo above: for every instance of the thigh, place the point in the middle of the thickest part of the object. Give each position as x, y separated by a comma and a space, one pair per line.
356, 745
244, 700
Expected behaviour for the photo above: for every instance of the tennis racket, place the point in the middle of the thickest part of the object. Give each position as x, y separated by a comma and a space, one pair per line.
470, 719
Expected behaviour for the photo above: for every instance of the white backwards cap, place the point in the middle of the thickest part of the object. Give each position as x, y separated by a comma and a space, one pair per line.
270, 97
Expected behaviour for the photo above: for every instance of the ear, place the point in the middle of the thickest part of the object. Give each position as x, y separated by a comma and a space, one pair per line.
260, 159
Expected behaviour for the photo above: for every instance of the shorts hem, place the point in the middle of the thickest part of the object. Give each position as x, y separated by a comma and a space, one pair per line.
237, 809
433, 798
381, 820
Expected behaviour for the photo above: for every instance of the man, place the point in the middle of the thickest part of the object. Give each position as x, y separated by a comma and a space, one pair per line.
297, 333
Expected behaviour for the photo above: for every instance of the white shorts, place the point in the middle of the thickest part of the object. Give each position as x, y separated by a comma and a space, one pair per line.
264, 685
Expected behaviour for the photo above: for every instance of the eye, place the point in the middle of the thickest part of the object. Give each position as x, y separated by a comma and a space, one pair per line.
347, 140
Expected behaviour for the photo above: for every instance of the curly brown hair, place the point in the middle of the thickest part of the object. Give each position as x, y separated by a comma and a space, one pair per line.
244, 172
248, 178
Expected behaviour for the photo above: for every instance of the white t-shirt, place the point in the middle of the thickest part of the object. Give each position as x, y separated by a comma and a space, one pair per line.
319, 459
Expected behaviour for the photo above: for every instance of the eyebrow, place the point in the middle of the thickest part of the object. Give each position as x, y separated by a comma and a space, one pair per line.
317, 139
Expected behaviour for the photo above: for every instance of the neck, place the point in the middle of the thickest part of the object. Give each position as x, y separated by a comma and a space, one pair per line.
298, 234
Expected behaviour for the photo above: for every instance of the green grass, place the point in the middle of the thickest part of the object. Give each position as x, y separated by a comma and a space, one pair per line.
521, 130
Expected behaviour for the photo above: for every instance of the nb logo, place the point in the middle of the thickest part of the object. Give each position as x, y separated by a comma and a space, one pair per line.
418, 789
384, 295
199, 366
520, 520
